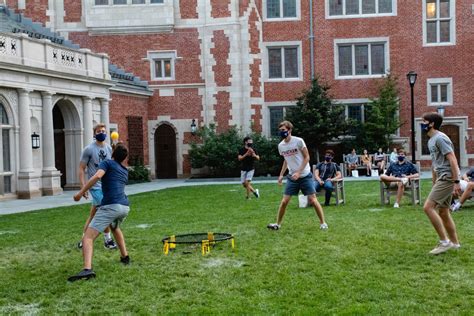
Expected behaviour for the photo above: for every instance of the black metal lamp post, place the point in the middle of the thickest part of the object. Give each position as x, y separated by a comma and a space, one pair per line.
411, 76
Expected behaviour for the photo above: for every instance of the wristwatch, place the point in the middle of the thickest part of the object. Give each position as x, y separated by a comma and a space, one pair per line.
456, 181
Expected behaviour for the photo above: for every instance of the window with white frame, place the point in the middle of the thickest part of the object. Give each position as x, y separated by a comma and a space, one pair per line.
439, 22
162, 65
277, 115
283, 62
440, 91
360, 8
5, 163
361, 58
124, 2
282, 9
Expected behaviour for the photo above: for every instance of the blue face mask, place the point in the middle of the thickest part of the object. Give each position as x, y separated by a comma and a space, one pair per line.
401, 158
283, 134
100, 137
425, 127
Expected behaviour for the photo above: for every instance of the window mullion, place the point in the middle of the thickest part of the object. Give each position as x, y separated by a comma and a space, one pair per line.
343, 7
439, 93
369, 58
281, 9
353, 59
377, 7
283, 75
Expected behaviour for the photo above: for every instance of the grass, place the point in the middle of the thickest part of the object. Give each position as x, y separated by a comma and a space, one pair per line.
373, 260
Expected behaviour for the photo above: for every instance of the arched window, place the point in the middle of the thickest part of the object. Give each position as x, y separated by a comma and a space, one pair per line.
5, 163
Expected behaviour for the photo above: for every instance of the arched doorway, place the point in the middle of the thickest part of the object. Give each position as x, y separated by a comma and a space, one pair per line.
59, 144
165, 152
453, 133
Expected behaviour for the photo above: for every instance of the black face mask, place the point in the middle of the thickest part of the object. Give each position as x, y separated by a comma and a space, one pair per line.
249, 145
328, 158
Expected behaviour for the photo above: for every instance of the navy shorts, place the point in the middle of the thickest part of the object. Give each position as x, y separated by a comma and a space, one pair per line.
305, 184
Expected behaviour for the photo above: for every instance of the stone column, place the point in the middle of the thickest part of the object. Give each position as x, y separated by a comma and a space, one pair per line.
28, 182
26, 155
88, 120
51, 178
104, 113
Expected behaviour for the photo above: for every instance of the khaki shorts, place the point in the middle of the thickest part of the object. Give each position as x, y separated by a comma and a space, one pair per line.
442, 192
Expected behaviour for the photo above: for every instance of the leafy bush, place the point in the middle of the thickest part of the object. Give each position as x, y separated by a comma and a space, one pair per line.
219, 152
137, 172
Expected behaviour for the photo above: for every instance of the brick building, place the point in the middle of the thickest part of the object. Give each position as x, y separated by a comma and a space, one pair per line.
242, 62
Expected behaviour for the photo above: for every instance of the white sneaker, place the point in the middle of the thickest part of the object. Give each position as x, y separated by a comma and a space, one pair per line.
456, 246
404, 181
442, 247
456, 207
396, 205
323, 226
274, 226
257, 193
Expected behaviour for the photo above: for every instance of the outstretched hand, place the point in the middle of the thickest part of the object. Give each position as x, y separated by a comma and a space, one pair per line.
77, 197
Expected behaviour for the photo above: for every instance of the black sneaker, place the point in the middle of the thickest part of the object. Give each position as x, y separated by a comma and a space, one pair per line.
79, 245
110, 244
84, 274
125, 260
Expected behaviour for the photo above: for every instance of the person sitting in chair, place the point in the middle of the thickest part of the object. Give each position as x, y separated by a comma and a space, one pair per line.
467, 185
379, 160
399, 174
366, 160
352, 161
325, 173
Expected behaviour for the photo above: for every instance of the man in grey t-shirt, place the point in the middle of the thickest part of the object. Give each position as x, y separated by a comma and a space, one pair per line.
91, 156
446, 178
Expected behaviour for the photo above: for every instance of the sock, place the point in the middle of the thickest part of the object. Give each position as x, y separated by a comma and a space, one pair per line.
107, 236
444, 242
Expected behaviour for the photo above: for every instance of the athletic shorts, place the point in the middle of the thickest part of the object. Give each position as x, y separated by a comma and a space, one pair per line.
441, 192
305, 184
112, 214
97, 196
395, 184
463, 184
246, 175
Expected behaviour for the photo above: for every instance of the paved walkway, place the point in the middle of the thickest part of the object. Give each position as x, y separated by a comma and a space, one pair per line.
65, 199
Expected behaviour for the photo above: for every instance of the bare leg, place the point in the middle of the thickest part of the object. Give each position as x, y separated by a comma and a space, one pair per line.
88, 246
435, 219
89, 219
466, 194
317, 207
401, 189
120, 241
449, 225
282, 209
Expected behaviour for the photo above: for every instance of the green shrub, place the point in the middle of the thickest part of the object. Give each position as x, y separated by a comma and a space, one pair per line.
137, 172
219, 152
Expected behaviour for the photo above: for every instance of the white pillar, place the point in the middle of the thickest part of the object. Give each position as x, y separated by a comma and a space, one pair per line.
26, 154
48, 132
88, 120
104, 113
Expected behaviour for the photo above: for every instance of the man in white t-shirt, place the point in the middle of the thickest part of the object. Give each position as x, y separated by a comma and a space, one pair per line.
299, 177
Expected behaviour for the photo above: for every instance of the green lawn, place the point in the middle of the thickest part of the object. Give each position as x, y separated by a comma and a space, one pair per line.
372, 260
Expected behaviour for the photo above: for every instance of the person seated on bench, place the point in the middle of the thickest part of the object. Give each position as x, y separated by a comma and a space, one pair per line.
379, 160
394, 155
399, 174
352, 161
467, 185
366, 160
325, 173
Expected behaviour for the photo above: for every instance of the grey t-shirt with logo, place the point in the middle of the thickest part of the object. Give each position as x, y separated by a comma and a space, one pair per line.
440, 145
92, 155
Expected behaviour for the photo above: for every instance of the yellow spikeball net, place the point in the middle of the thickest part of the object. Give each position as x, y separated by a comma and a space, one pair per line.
205, 240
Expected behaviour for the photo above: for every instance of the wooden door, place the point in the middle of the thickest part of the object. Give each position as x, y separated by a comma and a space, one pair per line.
165, 152
453, 133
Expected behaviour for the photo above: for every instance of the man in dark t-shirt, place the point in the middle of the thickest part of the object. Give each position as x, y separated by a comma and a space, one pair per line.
113, 210
247, 156
325, 173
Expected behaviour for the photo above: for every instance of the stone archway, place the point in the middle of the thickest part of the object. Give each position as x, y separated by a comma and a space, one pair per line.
165, 152
67, 142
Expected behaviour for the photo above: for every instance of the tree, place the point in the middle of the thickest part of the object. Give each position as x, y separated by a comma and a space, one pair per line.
382, 120
316, 118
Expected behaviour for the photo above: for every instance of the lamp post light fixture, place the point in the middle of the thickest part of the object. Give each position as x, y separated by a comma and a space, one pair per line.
35, 141
411, 76
441, 110
193, 127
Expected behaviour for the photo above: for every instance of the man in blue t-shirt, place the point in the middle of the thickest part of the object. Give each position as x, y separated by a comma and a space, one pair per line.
113, 210
398, 174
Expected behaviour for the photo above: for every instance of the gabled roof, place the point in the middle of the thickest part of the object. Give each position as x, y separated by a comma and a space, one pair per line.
11, 22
